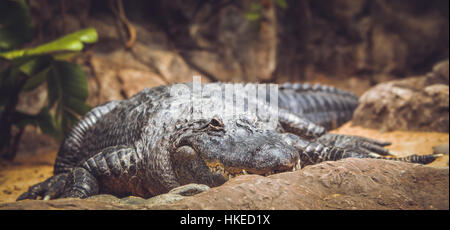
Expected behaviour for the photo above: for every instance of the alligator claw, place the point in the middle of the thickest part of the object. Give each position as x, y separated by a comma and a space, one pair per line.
375, 148
49, 189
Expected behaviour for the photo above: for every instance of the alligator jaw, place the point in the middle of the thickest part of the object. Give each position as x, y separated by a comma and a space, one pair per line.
228, 173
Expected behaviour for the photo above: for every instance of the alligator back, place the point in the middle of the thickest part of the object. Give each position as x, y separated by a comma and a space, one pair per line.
120, 122
324, 105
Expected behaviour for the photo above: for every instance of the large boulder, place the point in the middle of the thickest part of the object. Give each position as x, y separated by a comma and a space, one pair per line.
347, 184
417, 103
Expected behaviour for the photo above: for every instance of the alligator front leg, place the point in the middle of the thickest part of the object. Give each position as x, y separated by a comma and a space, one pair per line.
76, 183
362, 144
52, 187
111, 164
115, 169
313, 152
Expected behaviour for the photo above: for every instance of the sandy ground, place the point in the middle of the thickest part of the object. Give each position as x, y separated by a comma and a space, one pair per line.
27, 170
403, 142
24, 171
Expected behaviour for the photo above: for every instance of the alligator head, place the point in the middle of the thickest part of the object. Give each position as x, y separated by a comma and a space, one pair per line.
211, 151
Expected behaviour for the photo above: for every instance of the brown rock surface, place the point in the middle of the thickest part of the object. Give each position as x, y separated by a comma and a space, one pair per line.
418, 103
346, 184
65, 204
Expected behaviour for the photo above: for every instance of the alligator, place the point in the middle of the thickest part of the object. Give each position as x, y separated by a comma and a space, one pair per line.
154, 141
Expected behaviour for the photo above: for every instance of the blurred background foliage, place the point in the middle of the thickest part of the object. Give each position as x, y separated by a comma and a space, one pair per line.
24, 69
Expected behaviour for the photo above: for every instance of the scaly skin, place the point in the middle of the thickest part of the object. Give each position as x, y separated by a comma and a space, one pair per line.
152, 143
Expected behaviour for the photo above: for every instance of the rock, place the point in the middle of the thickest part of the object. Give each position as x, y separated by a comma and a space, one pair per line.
176, 194
172, 196
65, 204
133, 81
346, 184
171, 67
31, 102
104, 198
117, 73
34, 142
343, 38
190, 189
440, 72
103, 84
215, 38
417, 103
221, 42
443, 149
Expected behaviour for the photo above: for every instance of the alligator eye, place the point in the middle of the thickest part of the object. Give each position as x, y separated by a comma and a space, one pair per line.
216, 123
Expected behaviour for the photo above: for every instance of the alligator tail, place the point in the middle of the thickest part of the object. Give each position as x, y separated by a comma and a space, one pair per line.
324, 105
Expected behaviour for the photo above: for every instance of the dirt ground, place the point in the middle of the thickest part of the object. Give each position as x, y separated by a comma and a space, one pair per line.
403, 142
26, 170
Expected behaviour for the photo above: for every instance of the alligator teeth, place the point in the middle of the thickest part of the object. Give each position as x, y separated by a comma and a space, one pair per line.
219, 169
298, 165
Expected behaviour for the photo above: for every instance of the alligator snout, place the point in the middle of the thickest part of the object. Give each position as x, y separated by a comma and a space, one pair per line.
272, 157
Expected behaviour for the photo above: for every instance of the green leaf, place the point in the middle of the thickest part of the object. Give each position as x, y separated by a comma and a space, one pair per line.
68, 43
35, 65
9, 82
43, 119
15, 24
69, 119
67, 86
65, 56
73, 80
36, 80
47, 124
76, 105
53, 87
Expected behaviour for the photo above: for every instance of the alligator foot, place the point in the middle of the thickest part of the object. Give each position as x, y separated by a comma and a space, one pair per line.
77, 183
83, 184
360, 144
51, 188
